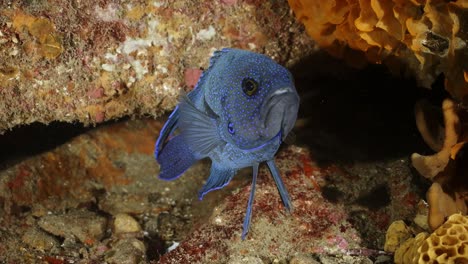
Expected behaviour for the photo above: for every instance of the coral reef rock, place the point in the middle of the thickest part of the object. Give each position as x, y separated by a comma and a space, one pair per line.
428, 37
96, 198
91, 61
332, 229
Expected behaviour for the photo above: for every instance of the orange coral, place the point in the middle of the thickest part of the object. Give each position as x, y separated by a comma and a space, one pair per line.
428, 35
430, 166
447, 168
442, 205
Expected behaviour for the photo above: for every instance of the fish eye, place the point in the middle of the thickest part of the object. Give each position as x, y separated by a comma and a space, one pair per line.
231, 128
249, 86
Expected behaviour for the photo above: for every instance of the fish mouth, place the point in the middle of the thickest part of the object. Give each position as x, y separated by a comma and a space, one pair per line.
277, 137
279, 112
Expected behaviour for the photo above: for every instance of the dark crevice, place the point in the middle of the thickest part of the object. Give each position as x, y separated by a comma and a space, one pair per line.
376, 198
350, 115
25, 141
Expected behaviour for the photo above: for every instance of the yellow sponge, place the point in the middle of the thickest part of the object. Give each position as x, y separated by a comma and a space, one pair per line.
447, 244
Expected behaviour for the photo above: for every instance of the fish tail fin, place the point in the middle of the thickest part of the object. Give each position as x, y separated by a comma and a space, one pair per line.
280, 185
175, 158
248, 214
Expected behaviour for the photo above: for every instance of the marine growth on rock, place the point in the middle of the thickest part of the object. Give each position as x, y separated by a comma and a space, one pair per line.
427, 37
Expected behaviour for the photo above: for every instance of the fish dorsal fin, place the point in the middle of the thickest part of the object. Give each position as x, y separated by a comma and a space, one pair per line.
198, 129
213, 60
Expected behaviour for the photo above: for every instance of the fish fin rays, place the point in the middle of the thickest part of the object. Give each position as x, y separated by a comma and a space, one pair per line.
213, 59
168, 129
174, 159
248, 214
198, 129
280, 185
219, 177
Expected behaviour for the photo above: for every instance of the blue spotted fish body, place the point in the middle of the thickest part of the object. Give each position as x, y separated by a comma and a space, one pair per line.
242, 108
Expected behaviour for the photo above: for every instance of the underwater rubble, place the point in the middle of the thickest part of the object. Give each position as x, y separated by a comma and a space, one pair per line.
371, 179
97, 198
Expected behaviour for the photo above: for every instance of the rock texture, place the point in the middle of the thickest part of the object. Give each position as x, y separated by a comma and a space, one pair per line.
91, 61
97, 198
317, 225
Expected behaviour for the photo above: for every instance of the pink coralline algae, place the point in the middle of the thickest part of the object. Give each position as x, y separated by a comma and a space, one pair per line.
315, 225
96, 93
229, 2
99, 117
191, 77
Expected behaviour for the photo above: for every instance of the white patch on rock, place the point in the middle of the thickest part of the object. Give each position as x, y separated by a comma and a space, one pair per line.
206, 34
107, 14
108, 67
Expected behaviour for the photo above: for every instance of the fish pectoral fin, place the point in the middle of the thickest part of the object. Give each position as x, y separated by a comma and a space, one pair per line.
175, 158
198, 129
280, 185
169, 127
248, 214
219, 177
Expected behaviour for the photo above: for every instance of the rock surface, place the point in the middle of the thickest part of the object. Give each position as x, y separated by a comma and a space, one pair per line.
348, 175
316, 225
40, 240
124, 223
91, 61
74, 191
85, 226
127, 251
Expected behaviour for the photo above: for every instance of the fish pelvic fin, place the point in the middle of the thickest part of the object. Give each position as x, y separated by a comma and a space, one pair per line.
280, 185
219, 177
248, 214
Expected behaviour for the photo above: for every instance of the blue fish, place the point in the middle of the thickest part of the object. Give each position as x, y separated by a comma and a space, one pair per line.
242, 108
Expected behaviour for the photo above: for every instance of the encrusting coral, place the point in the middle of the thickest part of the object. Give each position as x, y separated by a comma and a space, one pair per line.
428, 36
448, 244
